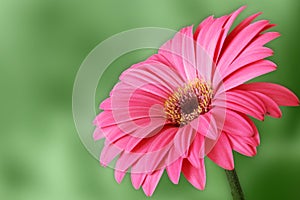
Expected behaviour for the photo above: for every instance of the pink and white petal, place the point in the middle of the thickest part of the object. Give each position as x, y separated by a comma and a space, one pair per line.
108, 153
207, 46
126, 121
158, 141
174, 170
154, 158
98, 134
196, 176
151, 182
183, 140
154, 74
221, 153
126, 160
196, 151
127, 96
125, 90
206, 125
181, 58
281, 95
133, 138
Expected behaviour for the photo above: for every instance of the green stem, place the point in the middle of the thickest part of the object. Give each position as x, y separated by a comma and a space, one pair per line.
236, 189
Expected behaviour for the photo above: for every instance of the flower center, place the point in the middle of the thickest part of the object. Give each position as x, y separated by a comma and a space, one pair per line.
188, 102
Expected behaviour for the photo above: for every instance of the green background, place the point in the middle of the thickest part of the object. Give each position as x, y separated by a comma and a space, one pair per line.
43, 43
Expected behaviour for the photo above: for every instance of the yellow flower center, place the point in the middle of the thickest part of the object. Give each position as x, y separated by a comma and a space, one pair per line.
188, 102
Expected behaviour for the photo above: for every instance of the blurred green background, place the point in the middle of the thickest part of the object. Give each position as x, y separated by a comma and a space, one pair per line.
43, 43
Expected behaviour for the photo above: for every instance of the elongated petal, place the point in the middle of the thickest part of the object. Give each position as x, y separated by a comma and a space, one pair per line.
153, 74
137, 179
174, 170
221, 154
222, 44
206, 125
180, 53
247, 73
151, 182
236, 124
98, 134
254, 101
196, 176
119, 175
183, 140
239, 42
240, 145
108, 153
281, 95
247, 57
196, 152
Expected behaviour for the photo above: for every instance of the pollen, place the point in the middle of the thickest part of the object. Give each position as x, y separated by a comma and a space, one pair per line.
188, 102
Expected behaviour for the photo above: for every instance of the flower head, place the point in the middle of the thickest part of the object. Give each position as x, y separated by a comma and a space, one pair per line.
189, 101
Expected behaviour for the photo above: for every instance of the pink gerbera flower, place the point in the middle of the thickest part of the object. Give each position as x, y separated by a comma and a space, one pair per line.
190, 101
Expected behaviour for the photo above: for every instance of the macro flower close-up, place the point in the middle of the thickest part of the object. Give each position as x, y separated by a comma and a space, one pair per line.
160, 99
192, 101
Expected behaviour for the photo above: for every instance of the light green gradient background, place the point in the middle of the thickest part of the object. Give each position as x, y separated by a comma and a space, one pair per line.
42, 44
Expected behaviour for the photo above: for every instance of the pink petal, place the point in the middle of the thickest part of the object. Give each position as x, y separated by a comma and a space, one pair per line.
272, 108
119, 175
240, 145
108, 153
227, 26
98, 134
196, 176
207, 47
183, 139
123, 91
155, 154
281, 95
126, 160
247, 73
137, 179
241, 105
247, 57
174, 170
239, 28
237, 124
152, 73
151, 182
248, 100
132, 139
239, 42
206, 22
196, 151
206, 125
165, 137
126, 97
180, 53
221, 154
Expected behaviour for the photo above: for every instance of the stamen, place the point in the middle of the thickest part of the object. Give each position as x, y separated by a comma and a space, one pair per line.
188, 102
